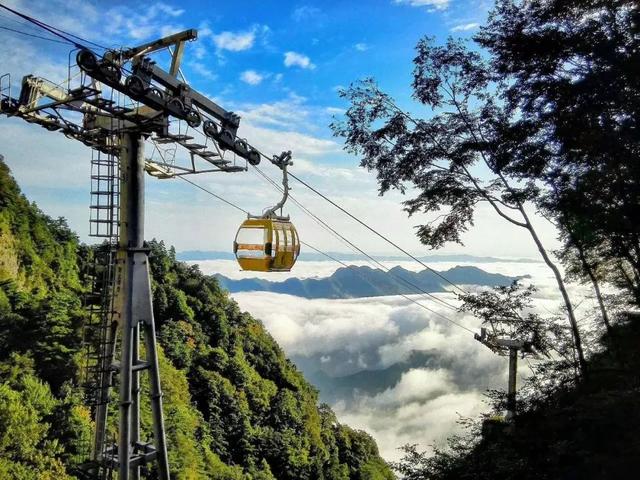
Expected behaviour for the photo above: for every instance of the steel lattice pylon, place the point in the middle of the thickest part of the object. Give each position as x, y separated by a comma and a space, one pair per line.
114, 102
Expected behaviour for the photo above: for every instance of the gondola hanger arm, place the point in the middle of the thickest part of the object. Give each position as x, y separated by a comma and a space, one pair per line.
282, 161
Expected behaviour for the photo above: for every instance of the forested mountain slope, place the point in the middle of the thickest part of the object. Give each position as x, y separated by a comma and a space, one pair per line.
235, 406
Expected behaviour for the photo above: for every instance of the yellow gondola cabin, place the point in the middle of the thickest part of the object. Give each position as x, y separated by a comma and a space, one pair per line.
267, 245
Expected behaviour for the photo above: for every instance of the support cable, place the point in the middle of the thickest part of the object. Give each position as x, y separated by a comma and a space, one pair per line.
331, 257
32, 35
53, 30
373, 230
213, 194
354, 247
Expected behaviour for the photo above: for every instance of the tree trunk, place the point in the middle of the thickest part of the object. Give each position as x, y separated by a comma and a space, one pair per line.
596, 288
589, 271
633, 283
628, 280
577, 339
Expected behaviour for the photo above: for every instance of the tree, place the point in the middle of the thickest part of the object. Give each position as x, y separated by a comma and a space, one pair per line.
571, 72
580, 252
464, 155
26, 449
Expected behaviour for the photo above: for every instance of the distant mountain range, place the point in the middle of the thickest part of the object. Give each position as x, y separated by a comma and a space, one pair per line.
357, 282
196, 255
369, 382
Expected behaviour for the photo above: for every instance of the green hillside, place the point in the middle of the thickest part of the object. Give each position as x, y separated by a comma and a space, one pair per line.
235, 406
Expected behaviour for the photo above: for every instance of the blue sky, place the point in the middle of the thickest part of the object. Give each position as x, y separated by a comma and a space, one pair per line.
278, 64
327, 43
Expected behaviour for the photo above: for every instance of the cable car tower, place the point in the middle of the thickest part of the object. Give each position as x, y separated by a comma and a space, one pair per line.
115, 102
511, 347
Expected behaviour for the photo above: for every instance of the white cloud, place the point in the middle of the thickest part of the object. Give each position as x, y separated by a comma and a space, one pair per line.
306, 12
433, 4
465, 27
234, 41
361, 47
342, 337
298, 59
334, 110
202, 70
63, 14
251, 77
199, 51
415, 385
141, 24
204, 30
290, 112
270, 140
425, 423
166, 30
169, 10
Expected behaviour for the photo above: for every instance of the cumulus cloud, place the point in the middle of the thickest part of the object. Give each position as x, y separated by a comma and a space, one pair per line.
465, 27
239, 40
415, 385
361, 47
380, 330
64, 15
431, 4
251, 77
427, 422
290, 112
343, 337
294, 59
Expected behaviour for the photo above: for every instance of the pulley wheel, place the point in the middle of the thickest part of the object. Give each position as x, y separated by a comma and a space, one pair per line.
86, 60
193, 119
155, 92
111, 72
253, 157
135, 86
210, 129
177, 104
225, 139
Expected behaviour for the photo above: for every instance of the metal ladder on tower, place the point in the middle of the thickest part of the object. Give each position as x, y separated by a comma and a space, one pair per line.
99, 335
105, 195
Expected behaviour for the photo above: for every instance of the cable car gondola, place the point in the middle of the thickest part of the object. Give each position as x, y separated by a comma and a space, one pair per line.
270, 242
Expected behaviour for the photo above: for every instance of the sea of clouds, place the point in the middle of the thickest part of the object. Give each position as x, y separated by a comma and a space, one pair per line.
343, 337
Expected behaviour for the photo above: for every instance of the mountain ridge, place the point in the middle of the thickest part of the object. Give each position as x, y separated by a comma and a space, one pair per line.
363, 281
